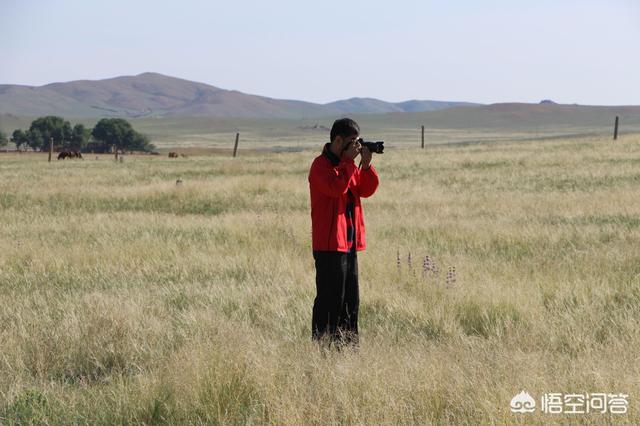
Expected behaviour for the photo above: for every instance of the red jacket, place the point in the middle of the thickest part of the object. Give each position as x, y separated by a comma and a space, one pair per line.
329, 180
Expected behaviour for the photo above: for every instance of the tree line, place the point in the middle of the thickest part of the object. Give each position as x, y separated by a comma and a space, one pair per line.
106, 133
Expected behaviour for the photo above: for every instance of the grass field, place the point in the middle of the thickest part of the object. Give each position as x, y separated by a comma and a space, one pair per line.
125, 298
498, 123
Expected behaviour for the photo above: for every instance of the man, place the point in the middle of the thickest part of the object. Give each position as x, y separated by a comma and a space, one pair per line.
336, 185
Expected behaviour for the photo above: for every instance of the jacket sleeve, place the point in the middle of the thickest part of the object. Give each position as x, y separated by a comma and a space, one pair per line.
368, 182
332, 181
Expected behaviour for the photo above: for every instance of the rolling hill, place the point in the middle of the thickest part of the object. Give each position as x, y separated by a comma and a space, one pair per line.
373, 106
198, 112
152, 94
522, 116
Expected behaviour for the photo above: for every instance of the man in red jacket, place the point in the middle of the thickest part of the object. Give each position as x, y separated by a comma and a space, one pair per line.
336, 185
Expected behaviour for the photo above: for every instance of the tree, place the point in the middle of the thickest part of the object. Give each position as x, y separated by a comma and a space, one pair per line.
141, 143
19, 138
118, 132
3, 139
45, 128
79, 137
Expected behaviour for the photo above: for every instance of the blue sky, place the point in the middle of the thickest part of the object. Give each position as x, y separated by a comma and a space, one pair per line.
570, 51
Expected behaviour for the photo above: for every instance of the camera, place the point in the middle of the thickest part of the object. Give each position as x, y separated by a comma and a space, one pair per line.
374, 147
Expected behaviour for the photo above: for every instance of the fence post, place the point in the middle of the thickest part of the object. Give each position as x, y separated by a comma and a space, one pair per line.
50, 148
422, 137
235, 147
115, 151
615, 129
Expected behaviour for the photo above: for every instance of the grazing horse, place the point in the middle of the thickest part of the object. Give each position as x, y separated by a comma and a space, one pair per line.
173, 154
69, 154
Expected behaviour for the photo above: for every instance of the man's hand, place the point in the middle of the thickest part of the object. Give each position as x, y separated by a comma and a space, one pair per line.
366, 157
352, 151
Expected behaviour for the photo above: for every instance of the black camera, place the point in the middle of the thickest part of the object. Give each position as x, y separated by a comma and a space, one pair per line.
374, 147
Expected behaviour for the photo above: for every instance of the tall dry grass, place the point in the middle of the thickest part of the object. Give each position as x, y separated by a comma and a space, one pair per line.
127, 299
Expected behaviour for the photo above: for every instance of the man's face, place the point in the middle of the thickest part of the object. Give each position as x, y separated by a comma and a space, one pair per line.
345, 142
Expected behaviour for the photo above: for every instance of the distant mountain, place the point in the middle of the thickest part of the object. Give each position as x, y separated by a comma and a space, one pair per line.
152, 94
522, 116
147, 94
370, 105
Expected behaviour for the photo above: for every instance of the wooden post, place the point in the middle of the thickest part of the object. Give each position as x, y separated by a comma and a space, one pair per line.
423, 137
615, 129
235, 147
115, 151
50, 148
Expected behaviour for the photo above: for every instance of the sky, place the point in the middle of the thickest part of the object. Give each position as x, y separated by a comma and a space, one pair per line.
569, 51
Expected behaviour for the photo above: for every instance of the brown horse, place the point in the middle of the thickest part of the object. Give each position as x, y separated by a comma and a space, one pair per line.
69, 154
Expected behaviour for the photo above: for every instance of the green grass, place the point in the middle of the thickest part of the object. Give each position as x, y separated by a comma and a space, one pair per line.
469, 126
127, 299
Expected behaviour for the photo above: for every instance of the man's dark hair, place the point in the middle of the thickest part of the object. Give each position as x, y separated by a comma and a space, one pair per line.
344, 127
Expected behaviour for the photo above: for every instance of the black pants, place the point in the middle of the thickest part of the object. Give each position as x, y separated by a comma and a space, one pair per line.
335, 309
